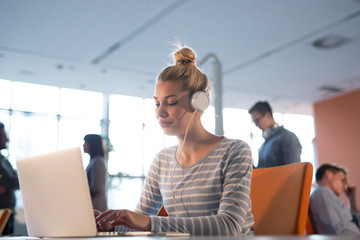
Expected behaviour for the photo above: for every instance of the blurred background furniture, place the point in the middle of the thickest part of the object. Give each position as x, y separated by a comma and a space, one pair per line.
4, 217
280, 198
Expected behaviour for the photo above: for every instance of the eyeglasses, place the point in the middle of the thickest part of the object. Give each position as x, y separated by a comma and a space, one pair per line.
257, 120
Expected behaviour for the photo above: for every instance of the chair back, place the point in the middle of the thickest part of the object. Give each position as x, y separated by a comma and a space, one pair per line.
309, 227
162, 212
4, 217
280, 198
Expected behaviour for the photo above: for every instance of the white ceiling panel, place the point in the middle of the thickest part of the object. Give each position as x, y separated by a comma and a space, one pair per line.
265, 47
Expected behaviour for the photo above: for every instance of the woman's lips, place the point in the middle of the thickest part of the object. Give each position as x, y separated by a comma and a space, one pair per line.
165, 124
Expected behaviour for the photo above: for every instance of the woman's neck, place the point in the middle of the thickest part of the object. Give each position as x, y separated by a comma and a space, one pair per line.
195, 147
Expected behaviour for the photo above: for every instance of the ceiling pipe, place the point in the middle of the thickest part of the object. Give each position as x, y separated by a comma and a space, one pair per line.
217, 92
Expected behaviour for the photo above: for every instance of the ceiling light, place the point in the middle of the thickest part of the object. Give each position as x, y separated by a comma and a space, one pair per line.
26, 72
330, 41
330, 89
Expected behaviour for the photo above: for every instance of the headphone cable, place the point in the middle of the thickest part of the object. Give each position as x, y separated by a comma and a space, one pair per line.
178, 160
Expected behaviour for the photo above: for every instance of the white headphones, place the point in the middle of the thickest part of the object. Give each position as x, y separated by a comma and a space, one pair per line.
199, 101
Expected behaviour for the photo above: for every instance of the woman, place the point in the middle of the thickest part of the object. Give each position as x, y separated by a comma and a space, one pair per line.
96, 171
204, 182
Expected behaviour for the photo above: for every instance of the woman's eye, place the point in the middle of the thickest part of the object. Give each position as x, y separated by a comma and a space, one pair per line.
173, 103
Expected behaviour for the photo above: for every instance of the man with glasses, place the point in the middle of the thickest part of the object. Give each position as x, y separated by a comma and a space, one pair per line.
281, 146
328, 213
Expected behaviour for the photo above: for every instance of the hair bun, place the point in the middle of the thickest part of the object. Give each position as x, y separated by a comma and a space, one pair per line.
184, 56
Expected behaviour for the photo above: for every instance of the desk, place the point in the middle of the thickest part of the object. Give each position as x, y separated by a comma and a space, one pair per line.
310, 237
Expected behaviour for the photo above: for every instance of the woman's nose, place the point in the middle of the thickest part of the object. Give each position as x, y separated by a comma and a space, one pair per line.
161, 111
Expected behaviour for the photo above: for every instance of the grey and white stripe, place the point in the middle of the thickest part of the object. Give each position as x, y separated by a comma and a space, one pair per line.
212, 197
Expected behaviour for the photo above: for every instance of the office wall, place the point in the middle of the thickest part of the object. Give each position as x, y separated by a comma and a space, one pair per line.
337, 124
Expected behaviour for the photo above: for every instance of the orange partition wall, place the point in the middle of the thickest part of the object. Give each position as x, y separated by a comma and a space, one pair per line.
337, 124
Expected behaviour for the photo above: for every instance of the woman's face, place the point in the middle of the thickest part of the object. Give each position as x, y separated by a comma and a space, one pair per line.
173, 109
86, 147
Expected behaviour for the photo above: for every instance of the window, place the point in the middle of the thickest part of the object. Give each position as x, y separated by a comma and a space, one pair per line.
127, 157
35, 98
81, 104
31, 134
126, 134
5, 93
304, 128
42, 118
80, 113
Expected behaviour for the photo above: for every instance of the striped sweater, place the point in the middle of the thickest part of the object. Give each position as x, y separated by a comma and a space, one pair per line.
211, 197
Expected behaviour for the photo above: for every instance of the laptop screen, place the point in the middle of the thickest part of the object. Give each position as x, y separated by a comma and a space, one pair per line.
56, 195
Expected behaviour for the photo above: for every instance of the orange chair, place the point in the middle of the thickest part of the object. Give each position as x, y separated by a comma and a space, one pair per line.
280, 198
4, 217
309, 227
162, 212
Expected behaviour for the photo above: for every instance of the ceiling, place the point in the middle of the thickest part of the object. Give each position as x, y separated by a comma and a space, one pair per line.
265, 47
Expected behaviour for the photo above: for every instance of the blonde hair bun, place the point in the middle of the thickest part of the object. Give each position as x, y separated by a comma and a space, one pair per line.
184, 56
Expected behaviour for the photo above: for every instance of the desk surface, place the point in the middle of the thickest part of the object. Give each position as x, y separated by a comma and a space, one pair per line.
310, 237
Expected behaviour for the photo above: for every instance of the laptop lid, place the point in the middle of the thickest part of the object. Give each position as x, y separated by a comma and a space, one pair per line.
56, 195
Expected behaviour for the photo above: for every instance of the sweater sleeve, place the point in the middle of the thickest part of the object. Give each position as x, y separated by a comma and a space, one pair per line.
151, 199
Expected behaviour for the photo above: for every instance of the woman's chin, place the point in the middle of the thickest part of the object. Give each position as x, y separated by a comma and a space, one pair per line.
168, 132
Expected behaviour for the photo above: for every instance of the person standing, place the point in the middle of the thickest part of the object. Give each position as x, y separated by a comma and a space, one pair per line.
281, 146
327, 212
96, 171
8, 183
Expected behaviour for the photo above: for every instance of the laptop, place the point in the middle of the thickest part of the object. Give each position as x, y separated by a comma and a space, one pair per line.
56, 197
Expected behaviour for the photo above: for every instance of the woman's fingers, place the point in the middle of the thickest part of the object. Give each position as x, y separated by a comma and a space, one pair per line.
103, 221
109, 219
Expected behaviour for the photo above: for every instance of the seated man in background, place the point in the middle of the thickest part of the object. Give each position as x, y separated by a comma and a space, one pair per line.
327, 212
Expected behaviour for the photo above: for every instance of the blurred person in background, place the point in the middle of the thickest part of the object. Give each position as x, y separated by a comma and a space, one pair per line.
327, 211
8, 183
281, 146
96, 171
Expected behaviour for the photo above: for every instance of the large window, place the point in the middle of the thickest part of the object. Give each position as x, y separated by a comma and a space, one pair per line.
42, 118
5, 93
80, 113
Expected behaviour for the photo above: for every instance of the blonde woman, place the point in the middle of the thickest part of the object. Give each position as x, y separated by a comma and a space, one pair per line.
204, 181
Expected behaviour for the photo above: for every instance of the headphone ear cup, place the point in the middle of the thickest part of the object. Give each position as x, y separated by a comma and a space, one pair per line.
199, 101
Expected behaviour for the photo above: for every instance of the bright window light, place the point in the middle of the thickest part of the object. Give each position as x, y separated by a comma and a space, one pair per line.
35, 98
82, 104
41, 119
5, 93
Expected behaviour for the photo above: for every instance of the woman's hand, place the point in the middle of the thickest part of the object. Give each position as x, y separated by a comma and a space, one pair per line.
108, 220
99, 228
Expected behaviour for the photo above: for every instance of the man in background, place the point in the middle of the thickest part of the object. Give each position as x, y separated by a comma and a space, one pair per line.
327, 212
281, 146
8, 183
